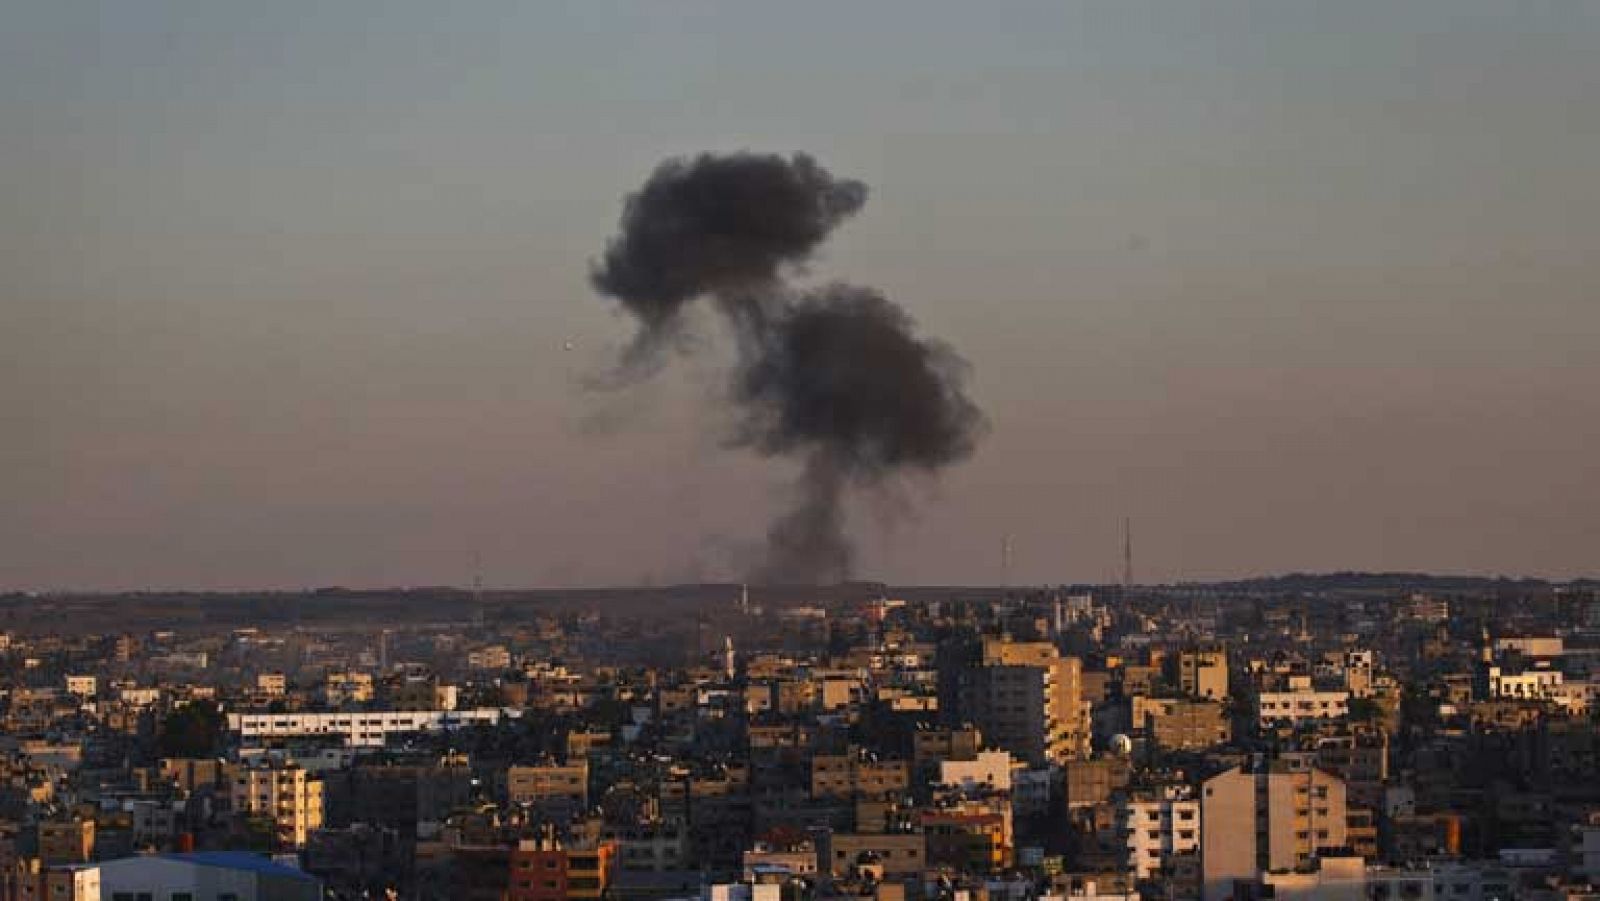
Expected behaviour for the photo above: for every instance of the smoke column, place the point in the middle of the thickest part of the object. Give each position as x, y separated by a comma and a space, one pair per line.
834, 376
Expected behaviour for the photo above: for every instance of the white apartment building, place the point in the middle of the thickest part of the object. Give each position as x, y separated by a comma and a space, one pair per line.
363, 728
1301, 706
1534, 684
1159, 826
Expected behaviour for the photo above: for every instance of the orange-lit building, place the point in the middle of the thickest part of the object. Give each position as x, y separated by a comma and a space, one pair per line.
978, 841
544, 870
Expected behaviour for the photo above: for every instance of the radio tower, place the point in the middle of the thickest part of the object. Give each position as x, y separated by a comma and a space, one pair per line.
1005, 560
477, 588
1127, 552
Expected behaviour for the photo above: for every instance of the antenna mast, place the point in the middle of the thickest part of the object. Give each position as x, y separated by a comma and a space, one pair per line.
1127, 552
1006, 555
477, 587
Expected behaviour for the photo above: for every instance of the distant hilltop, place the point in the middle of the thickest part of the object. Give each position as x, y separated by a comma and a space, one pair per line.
332, 607
1391, 582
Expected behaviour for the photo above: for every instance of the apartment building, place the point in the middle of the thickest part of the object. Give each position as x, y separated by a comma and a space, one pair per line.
1276, 816
1158, 825
284, 793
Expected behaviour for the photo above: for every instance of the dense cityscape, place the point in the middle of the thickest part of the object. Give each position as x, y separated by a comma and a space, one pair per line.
1379, 737
729, 341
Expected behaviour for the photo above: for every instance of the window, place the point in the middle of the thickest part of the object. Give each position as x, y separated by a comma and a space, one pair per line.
181, 896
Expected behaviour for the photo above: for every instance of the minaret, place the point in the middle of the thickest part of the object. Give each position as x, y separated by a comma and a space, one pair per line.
729, 663
744, 599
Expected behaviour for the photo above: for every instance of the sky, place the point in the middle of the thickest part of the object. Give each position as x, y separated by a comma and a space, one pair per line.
287, 289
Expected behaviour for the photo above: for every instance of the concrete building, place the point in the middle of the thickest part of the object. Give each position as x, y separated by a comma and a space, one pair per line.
545, 870
29, 879
68, 841
1087, 783
1534, 684
1333, 878
1159, 825
212, 875
990, 768
895, 854
284, 793
1179, 724
340, 688
1026, 698
1273, 818
852, 774
930, 746
1203, 673
367, 728
1358, 667
970, 838
1274, 707
1533, 646
566, 784
493, 657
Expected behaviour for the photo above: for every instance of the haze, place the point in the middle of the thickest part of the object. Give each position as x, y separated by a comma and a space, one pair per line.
287, 289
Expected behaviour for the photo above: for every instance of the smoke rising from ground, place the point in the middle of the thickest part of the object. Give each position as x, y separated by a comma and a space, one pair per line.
834, 376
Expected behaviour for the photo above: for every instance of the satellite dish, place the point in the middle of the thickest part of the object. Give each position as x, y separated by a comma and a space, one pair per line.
1121, 745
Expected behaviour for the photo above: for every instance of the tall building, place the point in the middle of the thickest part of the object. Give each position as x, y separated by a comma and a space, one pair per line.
1274, 817
284, 793
1026, 698
1159, 825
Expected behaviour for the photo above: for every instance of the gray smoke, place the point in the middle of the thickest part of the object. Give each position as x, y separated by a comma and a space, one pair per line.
835, 376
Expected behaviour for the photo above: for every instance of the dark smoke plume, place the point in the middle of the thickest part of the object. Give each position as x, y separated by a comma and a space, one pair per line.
835, 376
716, 224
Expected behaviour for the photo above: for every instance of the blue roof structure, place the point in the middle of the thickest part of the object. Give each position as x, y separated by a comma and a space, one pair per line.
242, 860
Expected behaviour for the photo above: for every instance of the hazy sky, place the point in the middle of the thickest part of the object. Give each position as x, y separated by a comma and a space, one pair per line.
284, 286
